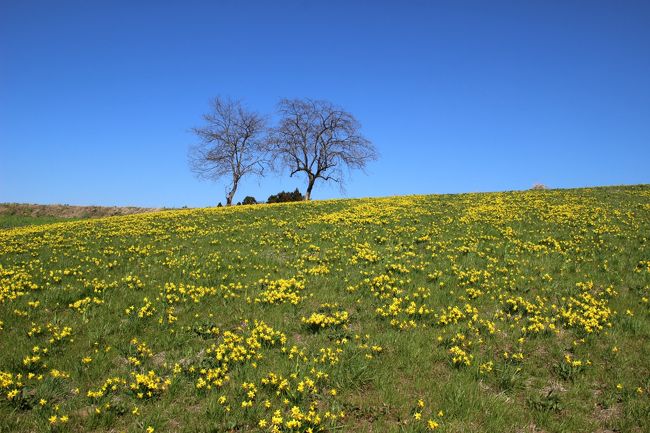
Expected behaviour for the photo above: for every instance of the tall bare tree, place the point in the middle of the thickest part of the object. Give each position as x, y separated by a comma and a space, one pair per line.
319, 139
231, 144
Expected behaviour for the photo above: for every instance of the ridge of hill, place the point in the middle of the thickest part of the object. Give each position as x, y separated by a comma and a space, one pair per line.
20, 214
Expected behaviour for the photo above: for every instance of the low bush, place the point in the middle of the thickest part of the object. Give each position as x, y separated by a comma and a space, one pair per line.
283, 197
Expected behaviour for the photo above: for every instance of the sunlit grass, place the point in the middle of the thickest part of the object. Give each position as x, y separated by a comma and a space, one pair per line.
523, 311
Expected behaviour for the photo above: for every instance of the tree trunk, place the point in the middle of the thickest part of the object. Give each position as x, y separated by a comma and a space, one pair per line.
231, 194
310, 186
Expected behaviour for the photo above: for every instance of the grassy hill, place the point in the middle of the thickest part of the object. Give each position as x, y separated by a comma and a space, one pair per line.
23, 214
503, 312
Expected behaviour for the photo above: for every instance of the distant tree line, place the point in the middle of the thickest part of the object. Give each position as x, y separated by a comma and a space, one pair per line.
312, 137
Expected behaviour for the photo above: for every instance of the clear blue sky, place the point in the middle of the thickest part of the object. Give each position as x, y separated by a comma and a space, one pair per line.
96, 97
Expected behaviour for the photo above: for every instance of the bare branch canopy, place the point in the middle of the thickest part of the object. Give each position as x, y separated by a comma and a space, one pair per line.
231, 144
319, 139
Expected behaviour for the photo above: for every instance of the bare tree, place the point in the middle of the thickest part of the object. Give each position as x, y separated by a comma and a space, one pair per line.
231, 144
319, 139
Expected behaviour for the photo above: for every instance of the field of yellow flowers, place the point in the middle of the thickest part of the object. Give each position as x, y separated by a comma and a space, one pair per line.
501, 312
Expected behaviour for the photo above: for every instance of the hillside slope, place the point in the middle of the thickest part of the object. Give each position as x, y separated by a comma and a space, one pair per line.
23, 214
509, 312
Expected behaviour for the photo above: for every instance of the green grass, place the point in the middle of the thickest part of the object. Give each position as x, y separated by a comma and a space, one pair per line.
509, 312
11, 221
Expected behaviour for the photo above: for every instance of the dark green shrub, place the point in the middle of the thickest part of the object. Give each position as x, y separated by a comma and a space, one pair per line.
283, 197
